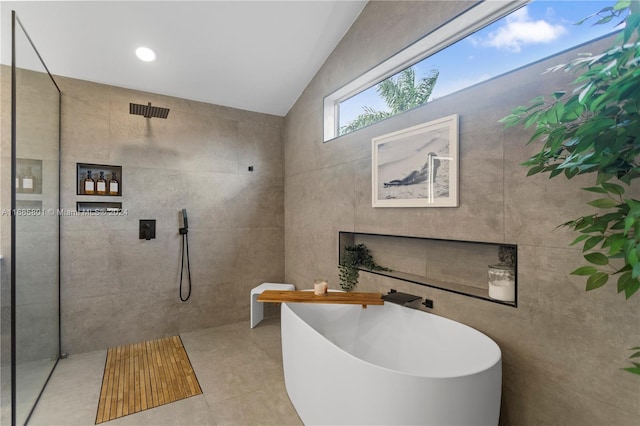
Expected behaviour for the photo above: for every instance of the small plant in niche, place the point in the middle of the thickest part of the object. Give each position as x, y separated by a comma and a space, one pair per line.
507, 255
354, 258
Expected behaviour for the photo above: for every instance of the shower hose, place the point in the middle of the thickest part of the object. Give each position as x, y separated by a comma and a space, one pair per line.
185, 250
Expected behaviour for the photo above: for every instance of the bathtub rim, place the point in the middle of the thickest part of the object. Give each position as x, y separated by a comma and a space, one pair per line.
492, 364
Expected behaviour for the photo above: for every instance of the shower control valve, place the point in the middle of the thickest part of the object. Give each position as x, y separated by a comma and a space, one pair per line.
147, 229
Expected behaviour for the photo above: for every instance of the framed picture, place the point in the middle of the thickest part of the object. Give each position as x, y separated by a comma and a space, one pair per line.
417, 167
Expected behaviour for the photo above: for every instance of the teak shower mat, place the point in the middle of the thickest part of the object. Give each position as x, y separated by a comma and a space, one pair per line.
145, 375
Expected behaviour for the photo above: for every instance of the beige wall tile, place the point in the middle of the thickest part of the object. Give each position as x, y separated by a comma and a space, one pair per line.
563, 349
119, 289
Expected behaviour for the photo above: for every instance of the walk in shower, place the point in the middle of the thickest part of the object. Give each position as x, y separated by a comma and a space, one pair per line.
30, 228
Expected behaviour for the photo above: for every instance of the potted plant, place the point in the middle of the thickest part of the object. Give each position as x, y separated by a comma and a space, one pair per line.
352, 260
594, 129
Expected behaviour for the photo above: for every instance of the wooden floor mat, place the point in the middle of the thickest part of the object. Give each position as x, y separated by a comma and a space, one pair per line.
145, 375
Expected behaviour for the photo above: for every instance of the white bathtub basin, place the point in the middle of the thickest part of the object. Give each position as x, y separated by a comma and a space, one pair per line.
387, 365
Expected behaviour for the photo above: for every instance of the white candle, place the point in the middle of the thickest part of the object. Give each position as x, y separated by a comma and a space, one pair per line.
504, 290
320, 287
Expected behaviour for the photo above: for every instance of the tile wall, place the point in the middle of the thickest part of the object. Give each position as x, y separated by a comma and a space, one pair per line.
118, 289
562, 347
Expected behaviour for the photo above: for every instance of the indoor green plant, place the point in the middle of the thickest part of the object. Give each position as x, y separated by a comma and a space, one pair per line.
596, 129
507, 256
355, 257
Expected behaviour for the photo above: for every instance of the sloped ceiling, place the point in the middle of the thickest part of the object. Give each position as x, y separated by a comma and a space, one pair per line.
253, 55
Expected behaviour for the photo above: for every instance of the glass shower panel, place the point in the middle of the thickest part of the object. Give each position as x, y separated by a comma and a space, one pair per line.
36, 248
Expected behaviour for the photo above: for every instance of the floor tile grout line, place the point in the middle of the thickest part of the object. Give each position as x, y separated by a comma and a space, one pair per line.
228, 409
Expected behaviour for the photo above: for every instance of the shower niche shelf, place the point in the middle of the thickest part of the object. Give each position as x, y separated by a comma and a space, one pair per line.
105, 208
88, 203
28, 177
455, 266
29, 182
81, 173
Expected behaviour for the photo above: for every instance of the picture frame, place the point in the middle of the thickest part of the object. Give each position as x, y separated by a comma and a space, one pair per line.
417, 166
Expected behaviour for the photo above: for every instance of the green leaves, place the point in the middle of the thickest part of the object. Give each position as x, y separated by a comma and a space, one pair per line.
603, 203
607, 236
585, 270
595, 128
627, 284
597, 280
597, 258
592, 242
635, 369
348, 277
400, 93
636, 366
613, 188
354, 258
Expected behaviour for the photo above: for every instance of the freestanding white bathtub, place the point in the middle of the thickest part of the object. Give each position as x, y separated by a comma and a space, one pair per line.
387, 365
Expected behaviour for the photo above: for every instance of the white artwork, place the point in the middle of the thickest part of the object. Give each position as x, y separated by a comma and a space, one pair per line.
417, 167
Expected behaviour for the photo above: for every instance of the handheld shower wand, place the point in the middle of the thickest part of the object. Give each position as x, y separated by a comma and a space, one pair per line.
185, 223
184, 231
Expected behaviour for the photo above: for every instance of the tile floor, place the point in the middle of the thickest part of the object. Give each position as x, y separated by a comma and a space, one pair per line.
33, 376
239, 370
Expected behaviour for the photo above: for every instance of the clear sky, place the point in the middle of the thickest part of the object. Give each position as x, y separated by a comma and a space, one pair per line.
535, 31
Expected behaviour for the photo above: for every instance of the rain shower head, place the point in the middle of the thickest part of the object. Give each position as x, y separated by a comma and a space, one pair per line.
148, 111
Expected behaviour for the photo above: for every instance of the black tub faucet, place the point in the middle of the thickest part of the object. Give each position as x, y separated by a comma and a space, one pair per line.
400, 298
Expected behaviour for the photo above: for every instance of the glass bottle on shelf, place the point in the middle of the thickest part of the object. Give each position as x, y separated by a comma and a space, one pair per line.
502, 283
114, 185
27, 181
89, 185
101, 185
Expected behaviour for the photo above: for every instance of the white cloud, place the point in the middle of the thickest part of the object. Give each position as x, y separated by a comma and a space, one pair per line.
520, 29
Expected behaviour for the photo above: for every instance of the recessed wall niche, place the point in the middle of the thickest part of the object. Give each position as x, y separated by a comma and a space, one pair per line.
28, 184
99, 207
28, 176
455, 266
95, 171
105, 183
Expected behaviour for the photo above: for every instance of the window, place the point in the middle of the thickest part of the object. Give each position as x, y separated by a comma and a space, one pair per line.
487, 40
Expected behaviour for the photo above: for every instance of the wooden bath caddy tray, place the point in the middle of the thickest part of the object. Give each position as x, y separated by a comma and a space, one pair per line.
363, 299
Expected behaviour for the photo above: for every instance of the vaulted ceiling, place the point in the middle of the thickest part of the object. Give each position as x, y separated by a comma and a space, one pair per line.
253, 55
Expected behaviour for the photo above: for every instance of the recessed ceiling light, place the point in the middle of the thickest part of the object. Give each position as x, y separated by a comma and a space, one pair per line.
145, 54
